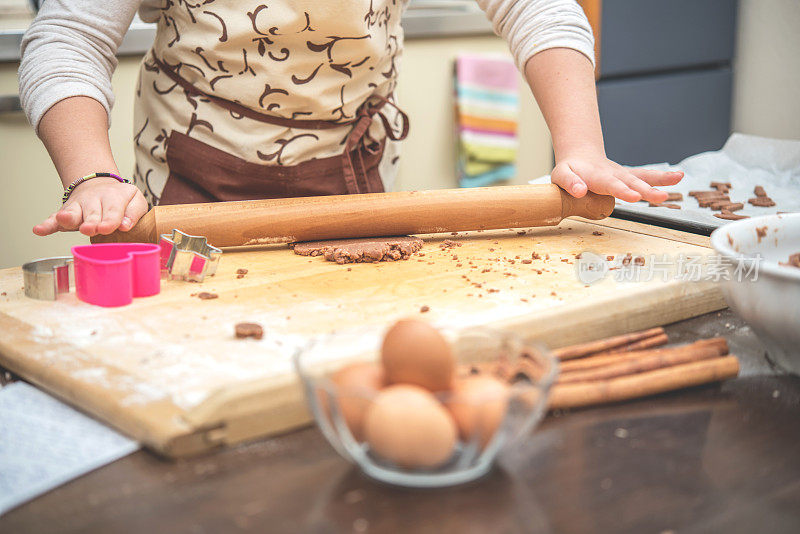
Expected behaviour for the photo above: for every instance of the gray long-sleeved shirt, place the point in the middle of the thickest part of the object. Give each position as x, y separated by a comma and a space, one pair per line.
70, 48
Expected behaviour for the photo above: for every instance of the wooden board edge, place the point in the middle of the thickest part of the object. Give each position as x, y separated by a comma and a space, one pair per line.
254, 409
155, 424
578, 323
648, 229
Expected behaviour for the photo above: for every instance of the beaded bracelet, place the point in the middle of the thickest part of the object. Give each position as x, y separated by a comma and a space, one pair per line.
68, 191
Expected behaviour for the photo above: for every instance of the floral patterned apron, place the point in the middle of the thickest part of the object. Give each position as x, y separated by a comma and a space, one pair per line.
246, 99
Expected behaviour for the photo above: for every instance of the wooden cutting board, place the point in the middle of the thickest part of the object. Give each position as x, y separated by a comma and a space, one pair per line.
168, 371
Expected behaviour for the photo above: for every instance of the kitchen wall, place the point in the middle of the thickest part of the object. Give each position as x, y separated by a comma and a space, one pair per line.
767, 69
31, 190
425, 92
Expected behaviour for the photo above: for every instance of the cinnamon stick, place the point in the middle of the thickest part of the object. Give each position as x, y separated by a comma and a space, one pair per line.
718, 344
600, 345
644, 361
646, 343
643, 384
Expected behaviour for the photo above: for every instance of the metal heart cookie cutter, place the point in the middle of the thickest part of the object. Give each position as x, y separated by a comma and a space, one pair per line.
47, 278
187, 257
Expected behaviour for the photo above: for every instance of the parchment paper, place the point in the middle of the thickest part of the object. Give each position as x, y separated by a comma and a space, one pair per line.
745, 161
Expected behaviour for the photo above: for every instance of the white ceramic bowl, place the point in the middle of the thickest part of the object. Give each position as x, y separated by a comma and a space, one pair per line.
770, 300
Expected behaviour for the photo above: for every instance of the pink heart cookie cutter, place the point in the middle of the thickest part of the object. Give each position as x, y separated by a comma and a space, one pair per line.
112, 274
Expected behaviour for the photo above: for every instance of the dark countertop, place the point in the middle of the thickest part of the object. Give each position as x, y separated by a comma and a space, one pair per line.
711, 459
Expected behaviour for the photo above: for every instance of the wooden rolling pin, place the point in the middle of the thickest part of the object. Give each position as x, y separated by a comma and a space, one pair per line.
259, 222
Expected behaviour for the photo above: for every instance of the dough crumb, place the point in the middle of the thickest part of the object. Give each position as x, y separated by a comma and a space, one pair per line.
205, 295
252, 330
425, 309
449, 243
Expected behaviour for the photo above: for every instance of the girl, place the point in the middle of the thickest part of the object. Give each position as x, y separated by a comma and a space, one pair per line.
277, 98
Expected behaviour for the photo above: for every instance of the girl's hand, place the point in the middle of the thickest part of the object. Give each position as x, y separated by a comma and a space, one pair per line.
97, 206
577, 174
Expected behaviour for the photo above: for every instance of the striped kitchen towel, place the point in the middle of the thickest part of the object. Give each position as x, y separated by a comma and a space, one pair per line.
487, 107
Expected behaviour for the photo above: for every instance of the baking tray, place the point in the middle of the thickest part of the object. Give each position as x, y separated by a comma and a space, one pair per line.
745, 161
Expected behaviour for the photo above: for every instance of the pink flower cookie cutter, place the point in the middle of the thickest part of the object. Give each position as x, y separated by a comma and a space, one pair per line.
112, 274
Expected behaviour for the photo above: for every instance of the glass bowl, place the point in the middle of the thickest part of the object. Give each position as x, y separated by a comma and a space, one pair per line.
520, 407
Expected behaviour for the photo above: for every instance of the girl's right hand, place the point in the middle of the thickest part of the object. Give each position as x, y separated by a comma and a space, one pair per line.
97, 206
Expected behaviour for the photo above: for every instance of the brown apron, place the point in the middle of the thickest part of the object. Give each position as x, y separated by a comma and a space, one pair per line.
248, 99
201, 173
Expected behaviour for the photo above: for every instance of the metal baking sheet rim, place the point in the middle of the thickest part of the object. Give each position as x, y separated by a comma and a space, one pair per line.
681, 219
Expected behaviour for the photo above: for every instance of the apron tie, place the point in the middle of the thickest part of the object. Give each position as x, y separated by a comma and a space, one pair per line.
363, 121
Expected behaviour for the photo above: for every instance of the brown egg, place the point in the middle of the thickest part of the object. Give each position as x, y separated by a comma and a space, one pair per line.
357, 385
408, 426
416, 353
478, 404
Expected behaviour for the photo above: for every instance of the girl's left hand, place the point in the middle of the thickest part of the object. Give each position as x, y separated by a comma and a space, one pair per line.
577, 174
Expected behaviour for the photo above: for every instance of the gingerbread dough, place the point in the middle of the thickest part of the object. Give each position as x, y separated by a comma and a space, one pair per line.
364, 250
